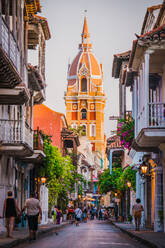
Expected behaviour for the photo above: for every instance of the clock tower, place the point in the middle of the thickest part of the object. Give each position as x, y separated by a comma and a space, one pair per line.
85, 98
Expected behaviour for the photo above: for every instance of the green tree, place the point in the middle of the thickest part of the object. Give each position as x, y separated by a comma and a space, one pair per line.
127, 175
59, 172
108, 182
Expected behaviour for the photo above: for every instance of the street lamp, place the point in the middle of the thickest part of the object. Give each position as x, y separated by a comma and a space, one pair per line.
144, 168
129, 184
43, 180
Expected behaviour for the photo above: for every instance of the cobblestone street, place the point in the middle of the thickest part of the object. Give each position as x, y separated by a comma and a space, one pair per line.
94, 234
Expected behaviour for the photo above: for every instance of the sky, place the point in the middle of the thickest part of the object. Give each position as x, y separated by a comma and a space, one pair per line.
112, 25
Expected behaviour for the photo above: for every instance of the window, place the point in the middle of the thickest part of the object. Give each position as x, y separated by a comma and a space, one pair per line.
83, 85
84, 130
92, 130
83, 114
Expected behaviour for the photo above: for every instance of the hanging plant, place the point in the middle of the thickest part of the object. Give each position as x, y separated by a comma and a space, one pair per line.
125, 130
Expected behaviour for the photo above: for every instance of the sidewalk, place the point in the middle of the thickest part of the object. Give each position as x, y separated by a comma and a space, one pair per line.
147, 237
21, 235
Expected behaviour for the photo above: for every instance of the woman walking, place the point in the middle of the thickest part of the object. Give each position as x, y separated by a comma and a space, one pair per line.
59, 214
10, 212
54, 214
137, 213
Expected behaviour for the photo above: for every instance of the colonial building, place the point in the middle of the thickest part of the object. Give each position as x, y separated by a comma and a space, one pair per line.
85, 98
145, 75
21, 86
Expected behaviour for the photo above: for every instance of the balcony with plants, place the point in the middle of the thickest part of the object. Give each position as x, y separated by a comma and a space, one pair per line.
125, 130
38, 148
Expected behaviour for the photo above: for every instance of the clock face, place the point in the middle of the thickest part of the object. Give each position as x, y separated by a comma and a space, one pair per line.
92, 106
74, 106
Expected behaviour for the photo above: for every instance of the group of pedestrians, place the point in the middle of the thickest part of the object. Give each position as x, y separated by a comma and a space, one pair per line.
11, 212
82, 214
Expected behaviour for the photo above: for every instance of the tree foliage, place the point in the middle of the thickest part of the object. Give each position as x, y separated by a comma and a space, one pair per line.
127, 175
117, 180
108, 182
59, 172
78, 131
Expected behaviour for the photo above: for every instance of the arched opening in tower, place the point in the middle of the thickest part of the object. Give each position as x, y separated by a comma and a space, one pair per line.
83, 114
83, 85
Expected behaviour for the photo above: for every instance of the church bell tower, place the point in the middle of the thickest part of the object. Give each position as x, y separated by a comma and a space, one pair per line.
85, 98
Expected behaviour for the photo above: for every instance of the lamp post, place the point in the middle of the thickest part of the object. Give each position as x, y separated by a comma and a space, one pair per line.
129, 184
144, 168
44, 199
43, 180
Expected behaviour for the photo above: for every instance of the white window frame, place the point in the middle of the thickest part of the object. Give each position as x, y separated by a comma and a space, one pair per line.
92, 133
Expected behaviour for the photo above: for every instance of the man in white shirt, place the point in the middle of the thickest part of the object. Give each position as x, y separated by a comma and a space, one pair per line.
78, 214
33, 210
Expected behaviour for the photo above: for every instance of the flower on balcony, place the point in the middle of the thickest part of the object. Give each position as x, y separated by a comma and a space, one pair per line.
125, 130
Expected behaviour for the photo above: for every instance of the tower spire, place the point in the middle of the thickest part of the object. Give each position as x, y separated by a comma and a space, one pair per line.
85, 34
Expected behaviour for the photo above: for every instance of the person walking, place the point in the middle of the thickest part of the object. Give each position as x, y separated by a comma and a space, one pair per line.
92, 212
70, 215
137, 213
100, 214
85, 214
59, 214
78, 214
54, 214
10, 212
33, 211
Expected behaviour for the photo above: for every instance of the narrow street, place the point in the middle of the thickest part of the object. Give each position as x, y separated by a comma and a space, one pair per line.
94, 234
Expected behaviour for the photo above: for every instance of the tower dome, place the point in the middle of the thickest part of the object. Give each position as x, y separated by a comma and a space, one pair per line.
85, 63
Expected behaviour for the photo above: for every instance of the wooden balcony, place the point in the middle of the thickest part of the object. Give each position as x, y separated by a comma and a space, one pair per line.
9, 58
18, 95
16, 138
38, 149
150, 131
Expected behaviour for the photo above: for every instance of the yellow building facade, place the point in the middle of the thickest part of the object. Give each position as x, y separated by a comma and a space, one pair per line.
85, 98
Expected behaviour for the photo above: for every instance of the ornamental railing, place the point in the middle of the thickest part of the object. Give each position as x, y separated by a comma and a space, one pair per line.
15, 132
9, 44
155, 116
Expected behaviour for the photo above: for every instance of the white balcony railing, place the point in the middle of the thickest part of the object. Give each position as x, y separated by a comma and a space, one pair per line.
156, 114
155, 117
9, 44
15, 132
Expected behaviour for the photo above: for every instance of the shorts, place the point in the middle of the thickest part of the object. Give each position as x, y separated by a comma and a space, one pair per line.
78, 219
33, 222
